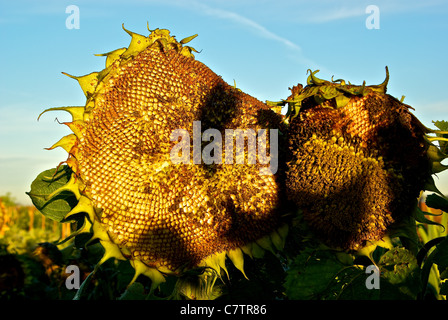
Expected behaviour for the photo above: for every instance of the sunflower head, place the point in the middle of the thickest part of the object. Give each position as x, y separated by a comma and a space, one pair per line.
358, 159
167, 217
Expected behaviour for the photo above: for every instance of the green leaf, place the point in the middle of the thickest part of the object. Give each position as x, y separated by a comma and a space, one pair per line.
443, 126
125, 272
135, 291
350, 284
400, 268
437, 202
311, 274
82, 291
438, 256
397, 264
356, 288
444, 287
441, 256
419, 216
45, 184
407, 232
321, 275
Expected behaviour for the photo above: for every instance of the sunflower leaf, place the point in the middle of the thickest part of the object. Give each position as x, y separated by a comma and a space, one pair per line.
419, 216
441, 257
443, 126
437, 202
318, 274
44, 185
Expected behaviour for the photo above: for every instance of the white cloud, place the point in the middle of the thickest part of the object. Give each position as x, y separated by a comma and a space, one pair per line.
324, 11
295, 54
229, 15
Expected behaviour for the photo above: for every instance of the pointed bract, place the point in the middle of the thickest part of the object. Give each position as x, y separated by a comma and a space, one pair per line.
87, 82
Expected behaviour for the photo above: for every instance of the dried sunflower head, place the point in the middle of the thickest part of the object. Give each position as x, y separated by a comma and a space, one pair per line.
358, 160
168, 217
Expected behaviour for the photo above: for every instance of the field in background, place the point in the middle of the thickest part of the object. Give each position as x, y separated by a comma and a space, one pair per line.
32, 267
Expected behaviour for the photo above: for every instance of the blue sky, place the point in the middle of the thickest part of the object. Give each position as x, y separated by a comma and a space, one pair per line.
265, 46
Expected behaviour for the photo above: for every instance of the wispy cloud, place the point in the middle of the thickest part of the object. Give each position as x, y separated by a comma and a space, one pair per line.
205, 8
323, 11
295, 51
244, 21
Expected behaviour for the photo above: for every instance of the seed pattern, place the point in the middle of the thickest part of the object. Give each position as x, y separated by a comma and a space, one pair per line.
162, 214
356, 169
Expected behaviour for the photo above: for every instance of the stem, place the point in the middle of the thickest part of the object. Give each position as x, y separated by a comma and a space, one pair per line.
437, 139
426, 269
425, 249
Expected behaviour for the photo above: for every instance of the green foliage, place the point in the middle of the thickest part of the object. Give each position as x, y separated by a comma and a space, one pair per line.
443, 126
23, 276
304, 270
330, 275
23, 241
8, 200
437, 202
318, 274
44, 185
413, 266
437, 264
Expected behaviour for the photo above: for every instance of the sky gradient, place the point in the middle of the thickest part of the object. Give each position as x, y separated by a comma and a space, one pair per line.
264, 46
